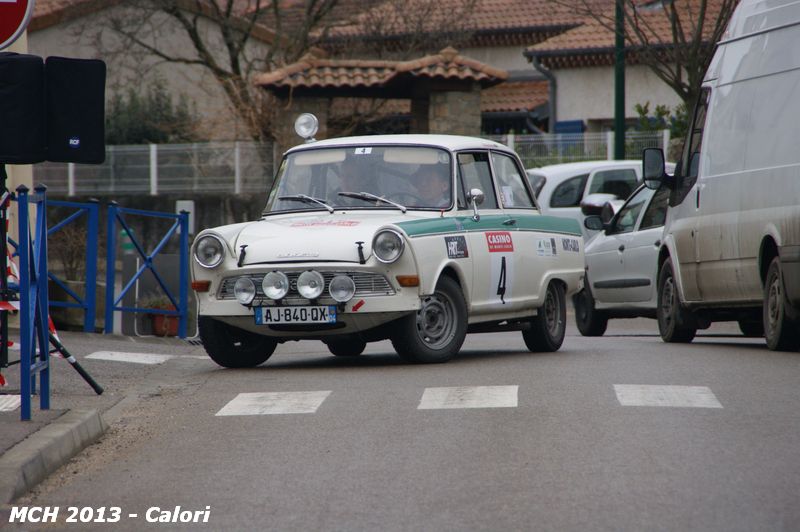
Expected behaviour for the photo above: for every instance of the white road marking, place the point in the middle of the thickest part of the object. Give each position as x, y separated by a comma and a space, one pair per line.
675, 396
9, 402
259, 404
136, 358
469, 397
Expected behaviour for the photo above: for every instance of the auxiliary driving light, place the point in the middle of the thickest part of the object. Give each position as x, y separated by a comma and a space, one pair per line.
342, 288
245, 290
306, 126
275, 285
310, 284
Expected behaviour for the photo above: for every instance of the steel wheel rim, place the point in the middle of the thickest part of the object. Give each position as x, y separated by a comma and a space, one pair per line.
668, 300
436, 321
774, 299
551, 314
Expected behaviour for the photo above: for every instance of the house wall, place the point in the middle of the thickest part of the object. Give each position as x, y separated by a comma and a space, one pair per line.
588, 93
505, 57
91, 37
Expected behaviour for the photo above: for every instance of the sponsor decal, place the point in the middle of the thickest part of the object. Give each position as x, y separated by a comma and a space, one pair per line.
326, 223
499, 242
362, 151
358, 305
456, 247
570, 244
546, 247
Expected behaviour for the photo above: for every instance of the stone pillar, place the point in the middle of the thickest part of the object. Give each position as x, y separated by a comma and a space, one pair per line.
420, 115
455, 112
287, 111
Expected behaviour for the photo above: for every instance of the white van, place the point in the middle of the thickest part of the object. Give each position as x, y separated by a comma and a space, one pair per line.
731, 244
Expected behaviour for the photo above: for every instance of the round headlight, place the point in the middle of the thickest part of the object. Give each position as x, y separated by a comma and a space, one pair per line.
342, 288
310, 284
387, 246
306, 125
275, 285
209, 251
244, 290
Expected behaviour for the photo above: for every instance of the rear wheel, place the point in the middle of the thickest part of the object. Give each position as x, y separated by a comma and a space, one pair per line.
351, 347
780, 331
752, 329
590, 321
436, 331
231, 347
547, 329
674, 323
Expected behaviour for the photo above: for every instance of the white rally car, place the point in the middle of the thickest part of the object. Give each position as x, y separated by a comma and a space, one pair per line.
415, 238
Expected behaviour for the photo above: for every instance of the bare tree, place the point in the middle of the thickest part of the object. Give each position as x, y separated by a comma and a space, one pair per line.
675, 38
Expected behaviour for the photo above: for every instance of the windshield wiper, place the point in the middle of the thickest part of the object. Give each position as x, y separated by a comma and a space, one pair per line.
366, 196
306, 199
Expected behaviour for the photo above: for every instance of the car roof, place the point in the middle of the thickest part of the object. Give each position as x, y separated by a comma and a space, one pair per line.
556, 170
449, 142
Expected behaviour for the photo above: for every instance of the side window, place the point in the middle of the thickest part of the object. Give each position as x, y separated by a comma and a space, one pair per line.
569, 193
537, 182
473, 172
690, 160
621, 182
627, 216
513, 193
656, 212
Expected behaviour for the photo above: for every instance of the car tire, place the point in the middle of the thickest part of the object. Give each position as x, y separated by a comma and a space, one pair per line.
546, 330
675, 324
437, 330
752, 329
232, 347
351, 347
780, 331
590, 321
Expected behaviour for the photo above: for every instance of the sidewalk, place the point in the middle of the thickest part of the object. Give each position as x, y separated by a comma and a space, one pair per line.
31, 450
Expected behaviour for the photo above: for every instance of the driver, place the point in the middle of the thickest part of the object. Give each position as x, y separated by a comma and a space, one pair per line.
433, 186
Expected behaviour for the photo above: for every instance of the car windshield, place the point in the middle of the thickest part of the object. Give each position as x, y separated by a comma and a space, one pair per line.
363, 177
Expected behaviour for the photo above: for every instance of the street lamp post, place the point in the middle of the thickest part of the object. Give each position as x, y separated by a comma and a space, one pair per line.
619, 81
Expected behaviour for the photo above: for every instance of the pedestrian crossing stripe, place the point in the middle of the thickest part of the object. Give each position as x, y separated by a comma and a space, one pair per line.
469, 397
9, 402
672, 396
269, 403
136, 358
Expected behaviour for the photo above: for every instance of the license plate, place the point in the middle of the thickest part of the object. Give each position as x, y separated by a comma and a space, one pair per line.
278, 315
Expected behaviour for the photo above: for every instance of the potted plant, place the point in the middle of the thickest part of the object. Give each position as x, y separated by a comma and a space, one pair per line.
160, 324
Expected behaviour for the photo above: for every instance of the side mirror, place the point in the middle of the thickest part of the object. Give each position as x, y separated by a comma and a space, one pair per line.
592, 205
594, 223
476, 197
653, 167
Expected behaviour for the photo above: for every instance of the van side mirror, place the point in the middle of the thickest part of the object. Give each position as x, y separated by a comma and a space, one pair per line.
593, 223
653, 168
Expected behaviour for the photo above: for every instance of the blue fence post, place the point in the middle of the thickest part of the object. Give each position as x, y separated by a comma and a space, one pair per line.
111, 266
184, 266
41, 303
91, 266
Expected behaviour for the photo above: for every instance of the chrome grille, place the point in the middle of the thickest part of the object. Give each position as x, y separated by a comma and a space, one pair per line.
367, 284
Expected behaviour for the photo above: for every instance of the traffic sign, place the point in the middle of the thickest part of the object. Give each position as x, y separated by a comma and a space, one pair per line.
14, 18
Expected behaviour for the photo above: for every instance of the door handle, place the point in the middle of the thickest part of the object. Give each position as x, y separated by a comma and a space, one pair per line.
622, 247
511, 221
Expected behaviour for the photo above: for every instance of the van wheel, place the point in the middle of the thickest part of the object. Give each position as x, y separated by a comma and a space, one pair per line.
436, 331
752, 329
347, 348
590, 321
675, 324
232, 347
547, 329
780, 331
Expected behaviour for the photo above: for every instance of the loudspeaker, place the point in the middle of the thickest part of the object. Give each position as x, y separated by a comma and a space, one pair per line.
75, 103
22, 126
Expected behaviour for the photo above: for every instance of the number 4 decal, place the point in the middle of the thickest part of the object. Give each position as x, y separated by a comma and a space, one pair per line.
501, 282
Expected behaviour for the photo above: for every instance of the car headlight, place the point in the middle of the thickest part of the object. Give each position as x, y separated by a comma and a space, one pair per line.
310, 284
275, 285
244, 290
209, 251
342, 288
388, 246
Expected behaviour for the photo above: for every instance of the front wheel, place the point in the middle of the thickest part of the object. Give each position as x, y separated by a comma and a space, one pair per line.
232, 347
674, 323
752, 329
547, 329
436, 331
780, 331
590, 321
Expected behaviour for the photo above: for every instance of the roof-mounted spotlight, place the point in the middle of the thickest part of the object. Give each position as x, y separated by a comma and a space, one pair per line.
306, 126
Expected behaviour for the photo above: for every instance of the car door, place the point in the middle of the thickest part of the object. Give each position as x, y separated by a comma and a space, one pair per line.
607, 264
640, 256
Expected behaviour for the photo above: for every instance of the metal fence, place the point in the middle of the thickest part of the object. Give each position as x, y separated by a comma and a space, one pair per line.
247, 167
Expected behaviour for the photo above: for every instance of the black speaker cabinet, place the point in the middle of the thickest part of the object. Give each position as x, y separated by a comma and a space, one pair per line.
75, 96
22, 109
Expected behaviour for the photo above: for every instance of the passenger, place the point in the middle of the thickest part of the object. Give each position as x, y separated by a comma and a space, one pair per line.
433, 186
353, 177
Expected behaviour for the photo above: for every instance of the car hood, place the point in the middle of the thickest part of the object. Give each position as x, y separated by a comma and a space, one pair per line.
318, 237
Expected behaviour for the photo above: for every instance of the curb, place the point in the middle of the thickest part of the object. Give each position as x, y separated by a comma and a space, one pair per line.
33, 459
